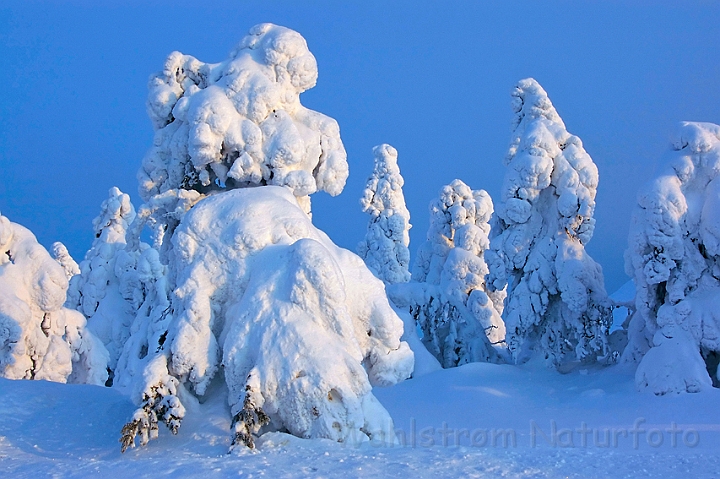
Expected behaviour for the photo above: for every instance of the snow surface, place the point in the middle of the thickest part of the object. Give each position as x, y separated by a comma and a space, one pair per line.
70, 431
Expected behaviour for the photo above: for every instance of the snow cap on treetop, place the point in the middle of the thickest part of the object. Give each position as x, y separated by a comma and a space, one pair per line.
240, 123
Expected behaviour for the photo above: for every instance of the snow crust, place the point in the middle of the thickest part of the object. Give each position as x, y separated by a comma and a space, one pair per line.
240, 123
459, 319
674, 243
385, 247
300, 328
39, 338
556, 301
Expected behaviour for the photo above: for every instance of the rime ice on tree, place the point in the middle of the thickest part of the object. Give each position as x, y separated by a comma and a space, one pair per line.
556, 301
385, 248
240, 123
39, 338
674, 258
300, 328
459, 318
106, 290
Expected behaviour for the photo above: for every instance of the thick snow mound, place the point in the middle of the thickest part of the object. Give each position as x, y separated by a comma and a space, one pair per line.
385, 247
460, 320
674, 248
556, 298
300, 328
39, 338
240, 122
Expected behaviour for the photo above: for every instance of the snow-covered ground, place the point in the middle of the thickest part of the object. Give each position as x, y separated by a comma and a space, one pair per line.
502, 415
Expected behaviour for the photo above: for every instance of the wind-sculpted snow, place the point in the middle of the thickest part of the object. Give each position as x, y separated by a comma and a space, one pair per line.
673, 256
240, 122
39, 338
300, 328
459, 318
556, 300
385, 247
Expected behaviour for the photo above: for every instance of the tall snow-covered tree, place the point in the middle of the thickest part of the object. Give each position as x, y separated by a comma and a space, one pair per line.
674, 258
556, 301
105, 290
385, 247
300, 328
39, 338
239, 123
459, 318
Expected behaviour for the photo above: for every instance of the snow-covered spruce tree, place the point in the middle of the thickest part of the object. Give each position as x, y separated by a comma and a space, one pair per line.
238, 123
106, 290
459, 318
556, 302
674, 258
299, 328
39, 338
385, 247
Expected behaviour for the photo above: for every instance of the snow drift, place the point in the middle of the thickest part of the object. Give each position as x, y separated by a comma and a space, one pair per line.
674, 258
39, 338
556, 301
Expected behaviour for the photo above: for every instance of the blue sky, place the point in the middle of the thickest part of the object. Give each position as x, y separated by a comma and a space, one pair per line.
431, 79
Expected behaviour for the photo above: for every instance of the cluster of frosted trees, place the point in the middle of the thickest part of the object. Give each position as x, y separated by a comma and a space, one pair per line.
519, 284
239, 292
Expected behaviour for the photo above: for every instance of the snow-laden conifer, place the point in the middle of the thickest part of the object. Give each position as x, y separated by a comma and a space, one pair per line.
239, 281
106, 290
300, 327
460, 320
240, 123
39, 338
556, 301
674, 258
385, 247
